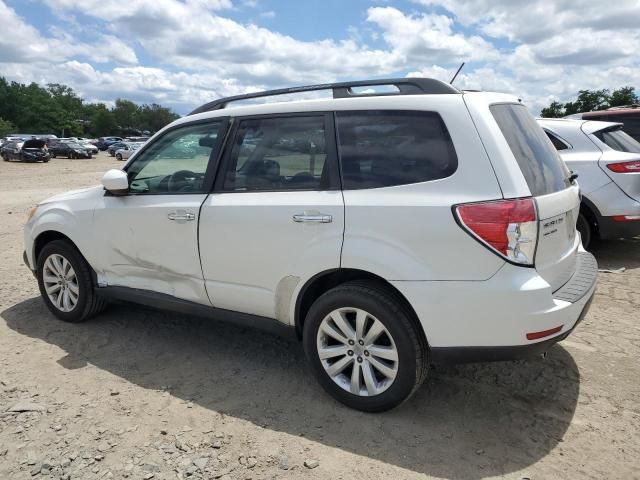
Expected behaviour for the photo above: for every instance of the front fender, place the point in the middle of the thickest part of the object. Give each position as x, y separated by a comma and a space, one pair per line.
71, 217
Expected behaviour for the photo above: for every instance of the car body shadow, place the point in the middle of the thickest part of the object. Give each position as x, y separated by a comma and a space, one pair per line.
466, 422
615, 254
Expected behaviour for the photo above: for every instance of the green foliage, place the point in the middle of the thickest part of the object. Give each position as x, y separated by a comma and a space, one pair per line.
554, 110
57, 109
6, 127
590, 100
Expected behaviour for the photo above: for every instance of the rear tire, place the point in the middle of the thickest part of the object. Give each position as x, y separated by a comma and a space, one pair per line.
118, 157
583, 225
358, 377
66, 282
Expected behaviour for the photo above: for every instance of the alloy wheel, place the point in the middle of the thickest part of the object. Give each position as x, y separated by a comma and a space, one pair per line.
357, 351
60, 282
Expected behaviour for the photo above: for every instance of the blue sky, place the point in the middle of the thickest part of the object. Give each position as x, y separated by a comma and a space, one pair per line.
182, 53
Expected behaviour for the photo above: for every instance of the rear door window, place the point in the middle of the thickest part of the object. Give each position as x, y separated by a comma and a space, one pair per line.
617, 139
539, 162
386, 148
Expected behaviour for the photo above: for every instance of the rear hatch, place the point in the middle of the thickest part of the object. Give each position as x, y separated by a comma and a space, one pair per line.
621, 160
557, 199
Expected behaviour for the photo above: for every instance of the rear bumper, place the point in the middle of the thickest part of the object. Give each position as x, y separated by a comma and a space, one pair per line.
455, 355
490, 320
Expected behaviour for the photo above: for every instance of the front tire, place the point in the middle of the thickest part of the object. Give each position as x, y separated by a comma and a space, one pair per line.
118, 156
586, 230
364, 347
66, 283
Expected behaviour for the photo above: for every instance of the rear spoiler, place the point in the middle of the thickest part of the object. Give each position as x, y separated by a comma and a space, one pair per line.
593, 126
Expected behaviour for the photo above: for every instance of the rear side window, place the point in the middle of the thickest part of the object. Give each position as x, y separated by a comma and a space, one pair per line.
618, 140
539, 162
386, 148
559, 144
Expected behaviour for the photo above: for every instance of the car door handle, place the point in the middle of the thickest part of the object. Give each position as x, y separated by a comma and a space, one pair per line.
316, 218
181, 216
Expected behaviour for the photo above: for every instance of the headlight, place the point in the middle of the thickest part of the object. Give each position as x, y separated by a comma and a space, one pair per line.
31, 213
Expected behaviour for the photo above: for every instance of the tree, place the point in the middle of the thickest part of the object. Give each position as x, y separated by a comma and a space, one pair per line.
623, 96
6, 127
153, 117
57, 109
125, 112
587, 101
554, 110
103, 122
590, 100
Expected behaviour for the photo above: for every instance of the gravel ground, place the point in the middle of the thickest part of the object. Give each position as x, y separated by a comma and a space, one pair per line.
141, 394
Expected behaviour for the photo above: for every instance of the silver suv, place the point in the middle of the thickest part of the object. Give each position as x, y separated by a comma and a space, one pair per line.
386, 231
607, 161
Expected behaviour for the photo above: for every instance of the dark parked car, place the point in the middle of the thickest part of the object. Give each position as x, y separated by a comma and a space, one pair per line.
628, 115
69, 150
111, 149
104, 142
33, 150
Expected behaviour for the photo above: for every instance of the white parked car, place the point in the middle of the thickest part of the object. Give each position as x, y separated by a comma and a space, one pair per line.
607, 161
125, 152
387, 231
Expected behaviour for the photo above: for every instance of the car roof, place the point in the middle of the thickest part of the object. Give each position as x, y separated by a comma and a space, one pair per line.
558, 125
626, 110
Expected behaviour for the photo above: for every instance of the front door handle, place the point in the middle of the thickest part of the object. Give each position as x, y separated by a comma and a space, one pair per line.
314, 218
181, 216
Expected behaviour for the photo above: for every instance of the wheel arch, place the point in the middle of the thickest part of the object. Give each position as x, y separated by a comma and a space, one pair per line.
45, 237
591, 213
324, 281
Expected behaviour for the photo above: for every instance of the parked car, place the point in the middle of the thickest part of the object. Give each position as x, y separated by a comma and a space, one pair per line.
69, 149
87, 145
111, 150
8, 140
32, 150
607, 161
628, 115
104, 142
392, 232
125, 152
10, 147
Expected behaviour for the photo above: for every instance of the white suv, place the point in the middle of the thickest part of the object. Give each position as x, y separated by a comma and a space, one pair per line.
608, 163
387, 231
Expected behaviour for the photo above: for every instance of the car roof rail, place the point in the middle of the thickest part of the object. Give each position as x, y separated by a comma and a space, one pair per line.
405, 86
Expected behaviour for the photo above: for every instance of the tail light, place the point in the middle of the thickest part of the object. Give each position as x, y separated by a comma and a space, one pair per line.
625, 167
507, 227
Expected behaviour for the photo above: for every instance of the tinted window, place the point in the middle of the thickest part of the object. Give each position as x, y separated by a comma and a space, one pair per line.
287, 153
386, 148
559, 144
539, 162
618, 140
177, 161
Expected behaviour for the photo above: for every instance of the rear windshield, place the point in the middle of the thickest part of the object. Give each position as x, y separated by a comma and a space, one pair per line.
617, 139
539, 162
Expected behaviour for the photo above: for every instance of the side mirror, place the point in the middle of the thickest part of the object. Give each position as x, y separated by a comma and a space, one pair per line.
116, 181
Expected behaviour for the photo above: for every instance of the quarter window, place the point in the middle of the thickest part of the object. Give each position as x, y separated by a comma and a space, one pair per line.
176, 162
386, 148
284, 153
559, 144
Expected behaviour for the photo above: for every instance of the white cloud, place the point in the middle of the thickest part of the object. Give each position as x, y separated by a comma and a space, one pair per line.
539, 49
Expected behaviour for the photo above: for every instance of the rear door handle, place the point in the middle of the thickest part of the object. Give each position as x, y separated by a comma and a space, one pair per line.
316, 218
181, 216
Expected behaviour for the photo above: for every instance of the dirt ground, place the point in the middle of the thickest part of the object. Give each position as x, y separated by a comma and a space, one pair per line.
141, 394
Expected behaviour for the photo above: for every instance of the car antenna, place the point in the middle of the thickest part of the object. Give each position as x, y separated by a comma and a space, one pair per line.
457, 72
